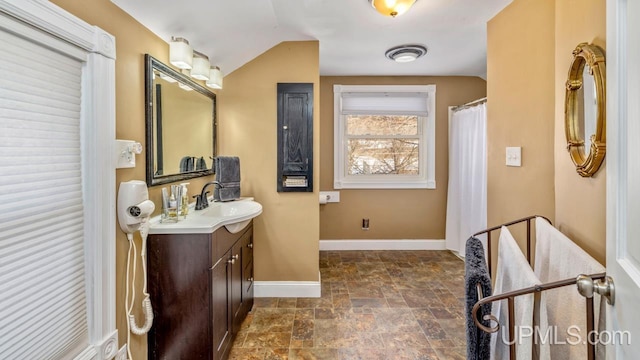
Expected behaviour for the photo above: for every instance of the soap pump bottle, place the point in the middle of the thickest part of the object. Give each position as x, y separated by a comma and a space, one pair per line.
185, 200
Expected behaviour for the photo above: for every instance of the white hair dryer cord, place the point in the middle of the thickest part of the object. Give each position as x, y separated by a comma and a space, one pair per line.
146, 302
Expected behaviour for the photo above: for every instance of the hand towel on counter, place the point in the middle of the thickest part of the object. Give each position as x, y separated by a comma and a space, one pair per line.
559, 258
514, 273
476, 272
227, 169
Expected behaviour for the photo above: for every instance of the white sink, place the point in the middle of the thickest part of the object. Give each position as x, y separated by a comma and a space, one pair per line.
234, 215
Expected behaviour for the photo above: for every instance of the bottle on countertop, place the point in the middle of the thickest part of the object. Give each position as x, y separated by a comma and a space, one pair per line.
185, 200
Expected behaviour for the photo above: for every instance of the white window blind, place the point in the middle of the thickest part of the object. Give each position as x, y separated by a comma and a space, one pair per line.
394, 103
43, 310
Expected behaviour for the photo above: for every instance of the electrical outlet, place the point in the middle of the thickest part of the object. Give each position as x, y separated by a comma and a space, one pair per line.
331, 196
122, 353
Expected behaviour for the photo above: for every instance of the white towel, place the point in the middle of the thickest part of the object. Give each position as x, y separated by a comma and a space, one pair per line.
514, 273
559, 258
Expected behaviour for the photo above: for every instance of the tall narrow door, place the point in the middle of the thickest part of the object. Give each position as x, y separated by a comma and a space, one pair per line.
623, 177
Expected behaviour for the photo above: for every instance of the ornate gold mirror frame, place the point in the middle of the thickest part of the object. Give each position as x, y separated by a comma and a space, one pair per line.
587, 161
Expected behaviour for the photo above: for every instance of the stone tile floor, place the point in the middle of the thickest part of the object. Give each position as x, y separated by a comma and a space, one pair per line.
375, 305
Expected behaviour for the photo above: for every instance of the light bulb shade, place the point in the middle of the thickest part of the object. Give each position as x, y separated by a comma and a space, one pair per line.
180, 53
185, 87
201, 65
392, 8
215, 78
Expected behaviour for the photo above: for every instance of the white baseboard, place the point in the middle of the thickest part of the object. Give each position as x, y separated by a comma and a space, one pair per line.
400, 244
286, 289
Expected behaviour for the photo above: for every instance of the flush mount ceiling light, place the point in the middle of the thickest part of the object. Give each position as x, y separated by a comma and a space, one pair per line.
201, 66
215, 78
180, 53
405, 53
392, 8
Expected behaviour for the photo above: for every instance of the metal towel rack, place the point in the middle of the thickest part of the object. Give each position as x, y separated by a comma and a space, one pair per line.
536, 290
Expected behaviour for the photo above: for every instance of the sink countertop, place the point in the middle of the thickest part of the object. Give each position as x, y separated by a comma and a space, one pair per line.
207, 221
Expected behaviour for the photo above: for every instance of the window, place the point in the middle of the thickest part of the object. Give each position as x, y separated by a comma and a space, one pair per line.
384, 137
57, 232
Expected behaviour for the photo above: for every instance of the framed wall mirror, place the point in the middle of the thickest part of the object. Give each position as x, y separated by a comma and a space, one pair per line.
180, 125
585, 109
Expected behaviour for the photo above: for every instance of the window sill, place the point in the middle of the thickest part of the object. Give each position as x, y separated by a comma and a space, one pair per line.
354, 184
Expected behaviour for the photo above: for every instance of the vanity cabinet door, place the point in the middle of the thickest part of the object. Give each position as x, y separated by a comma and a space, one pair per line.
247, 273
236, 286
221, 307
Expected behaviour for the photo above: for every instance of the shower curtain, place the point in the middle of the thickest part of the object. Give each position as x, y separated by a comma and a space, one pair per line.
467, 194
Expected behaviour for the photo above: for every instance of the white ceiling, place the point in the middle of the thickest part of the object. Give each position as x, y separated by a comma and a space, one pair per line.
353, 36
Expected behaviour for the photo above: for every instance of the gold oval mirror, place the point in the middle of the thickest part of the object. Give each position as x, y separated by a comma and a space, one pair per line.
585, 110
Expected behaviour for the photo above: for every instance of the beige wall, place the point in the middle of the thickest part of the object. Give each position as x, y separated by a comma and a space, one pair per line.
528, 56
132, 41
286, 234
580, 202
393, 214
520, 111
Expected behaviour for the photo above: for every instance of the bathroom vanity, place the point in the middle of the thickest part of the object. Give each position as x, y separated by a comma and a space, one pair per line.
200, 279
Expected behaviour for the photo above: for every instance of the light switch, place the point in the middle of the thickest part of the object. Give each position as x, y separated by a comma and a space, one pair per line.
514, 156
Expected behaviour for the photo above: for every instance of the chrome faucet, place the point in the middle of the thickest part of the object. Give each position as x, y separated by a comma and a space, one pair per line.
201, 200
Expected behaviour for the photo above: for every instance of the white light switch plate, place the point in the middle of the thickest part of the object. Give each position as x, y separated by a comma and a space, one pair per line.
332, 196
514, 156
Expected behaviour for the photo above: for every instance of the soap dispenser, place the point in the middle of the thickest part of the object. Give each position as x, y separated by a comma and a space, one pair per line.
185, 199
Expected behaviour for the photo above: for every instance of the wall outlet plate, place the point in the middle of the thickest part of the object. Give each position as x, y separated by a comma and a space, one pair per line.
514, 156
126, 151
331, 196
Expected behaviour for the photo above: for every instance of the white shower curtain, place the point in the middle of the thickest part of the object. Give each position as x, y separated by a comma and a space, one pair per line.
467, 195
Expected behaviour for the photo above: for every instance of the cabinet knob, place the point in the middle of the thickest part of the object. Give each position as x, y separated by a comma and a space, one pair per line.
231, 261
250, 245
250, 279
235, 257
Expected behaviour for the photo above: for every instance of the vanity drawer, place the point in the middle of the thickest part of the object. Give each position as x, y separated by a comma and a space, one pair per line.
223, 240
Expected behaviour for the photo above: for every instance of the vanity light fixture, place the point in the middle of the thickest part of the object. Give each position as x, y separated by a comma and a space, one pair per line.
180, 53
182, 86
201, 65
185, 87
392, 8
167, 78
215, 78
406, 53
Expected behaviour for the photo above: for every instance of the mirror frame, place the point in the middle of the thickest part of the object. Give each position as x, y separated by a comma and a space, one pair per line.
587, 164
152, 64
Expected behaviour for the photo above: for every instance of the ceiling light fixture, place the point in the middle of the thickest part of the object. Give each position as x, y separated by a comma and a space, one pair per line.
180, 53
215, 78
392, 8
201, 66
406, 53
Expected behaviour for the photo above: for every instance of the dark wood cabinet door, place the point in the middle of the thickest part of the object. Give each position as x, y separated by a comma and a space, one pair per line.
247, 273
295, 137
221, 306
236, 286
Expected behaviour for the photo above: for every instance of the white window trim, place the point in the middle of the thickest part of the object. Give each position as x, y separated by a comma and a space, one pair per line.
98, 134
426, 180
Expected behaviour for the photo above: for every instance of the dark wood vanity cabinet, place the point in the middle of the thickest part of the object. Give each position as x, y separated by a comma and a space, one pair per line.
201, 288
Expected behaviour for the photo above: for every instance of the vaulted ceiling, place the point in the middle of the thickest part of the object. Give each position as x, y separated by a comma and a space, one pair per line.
353, 37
